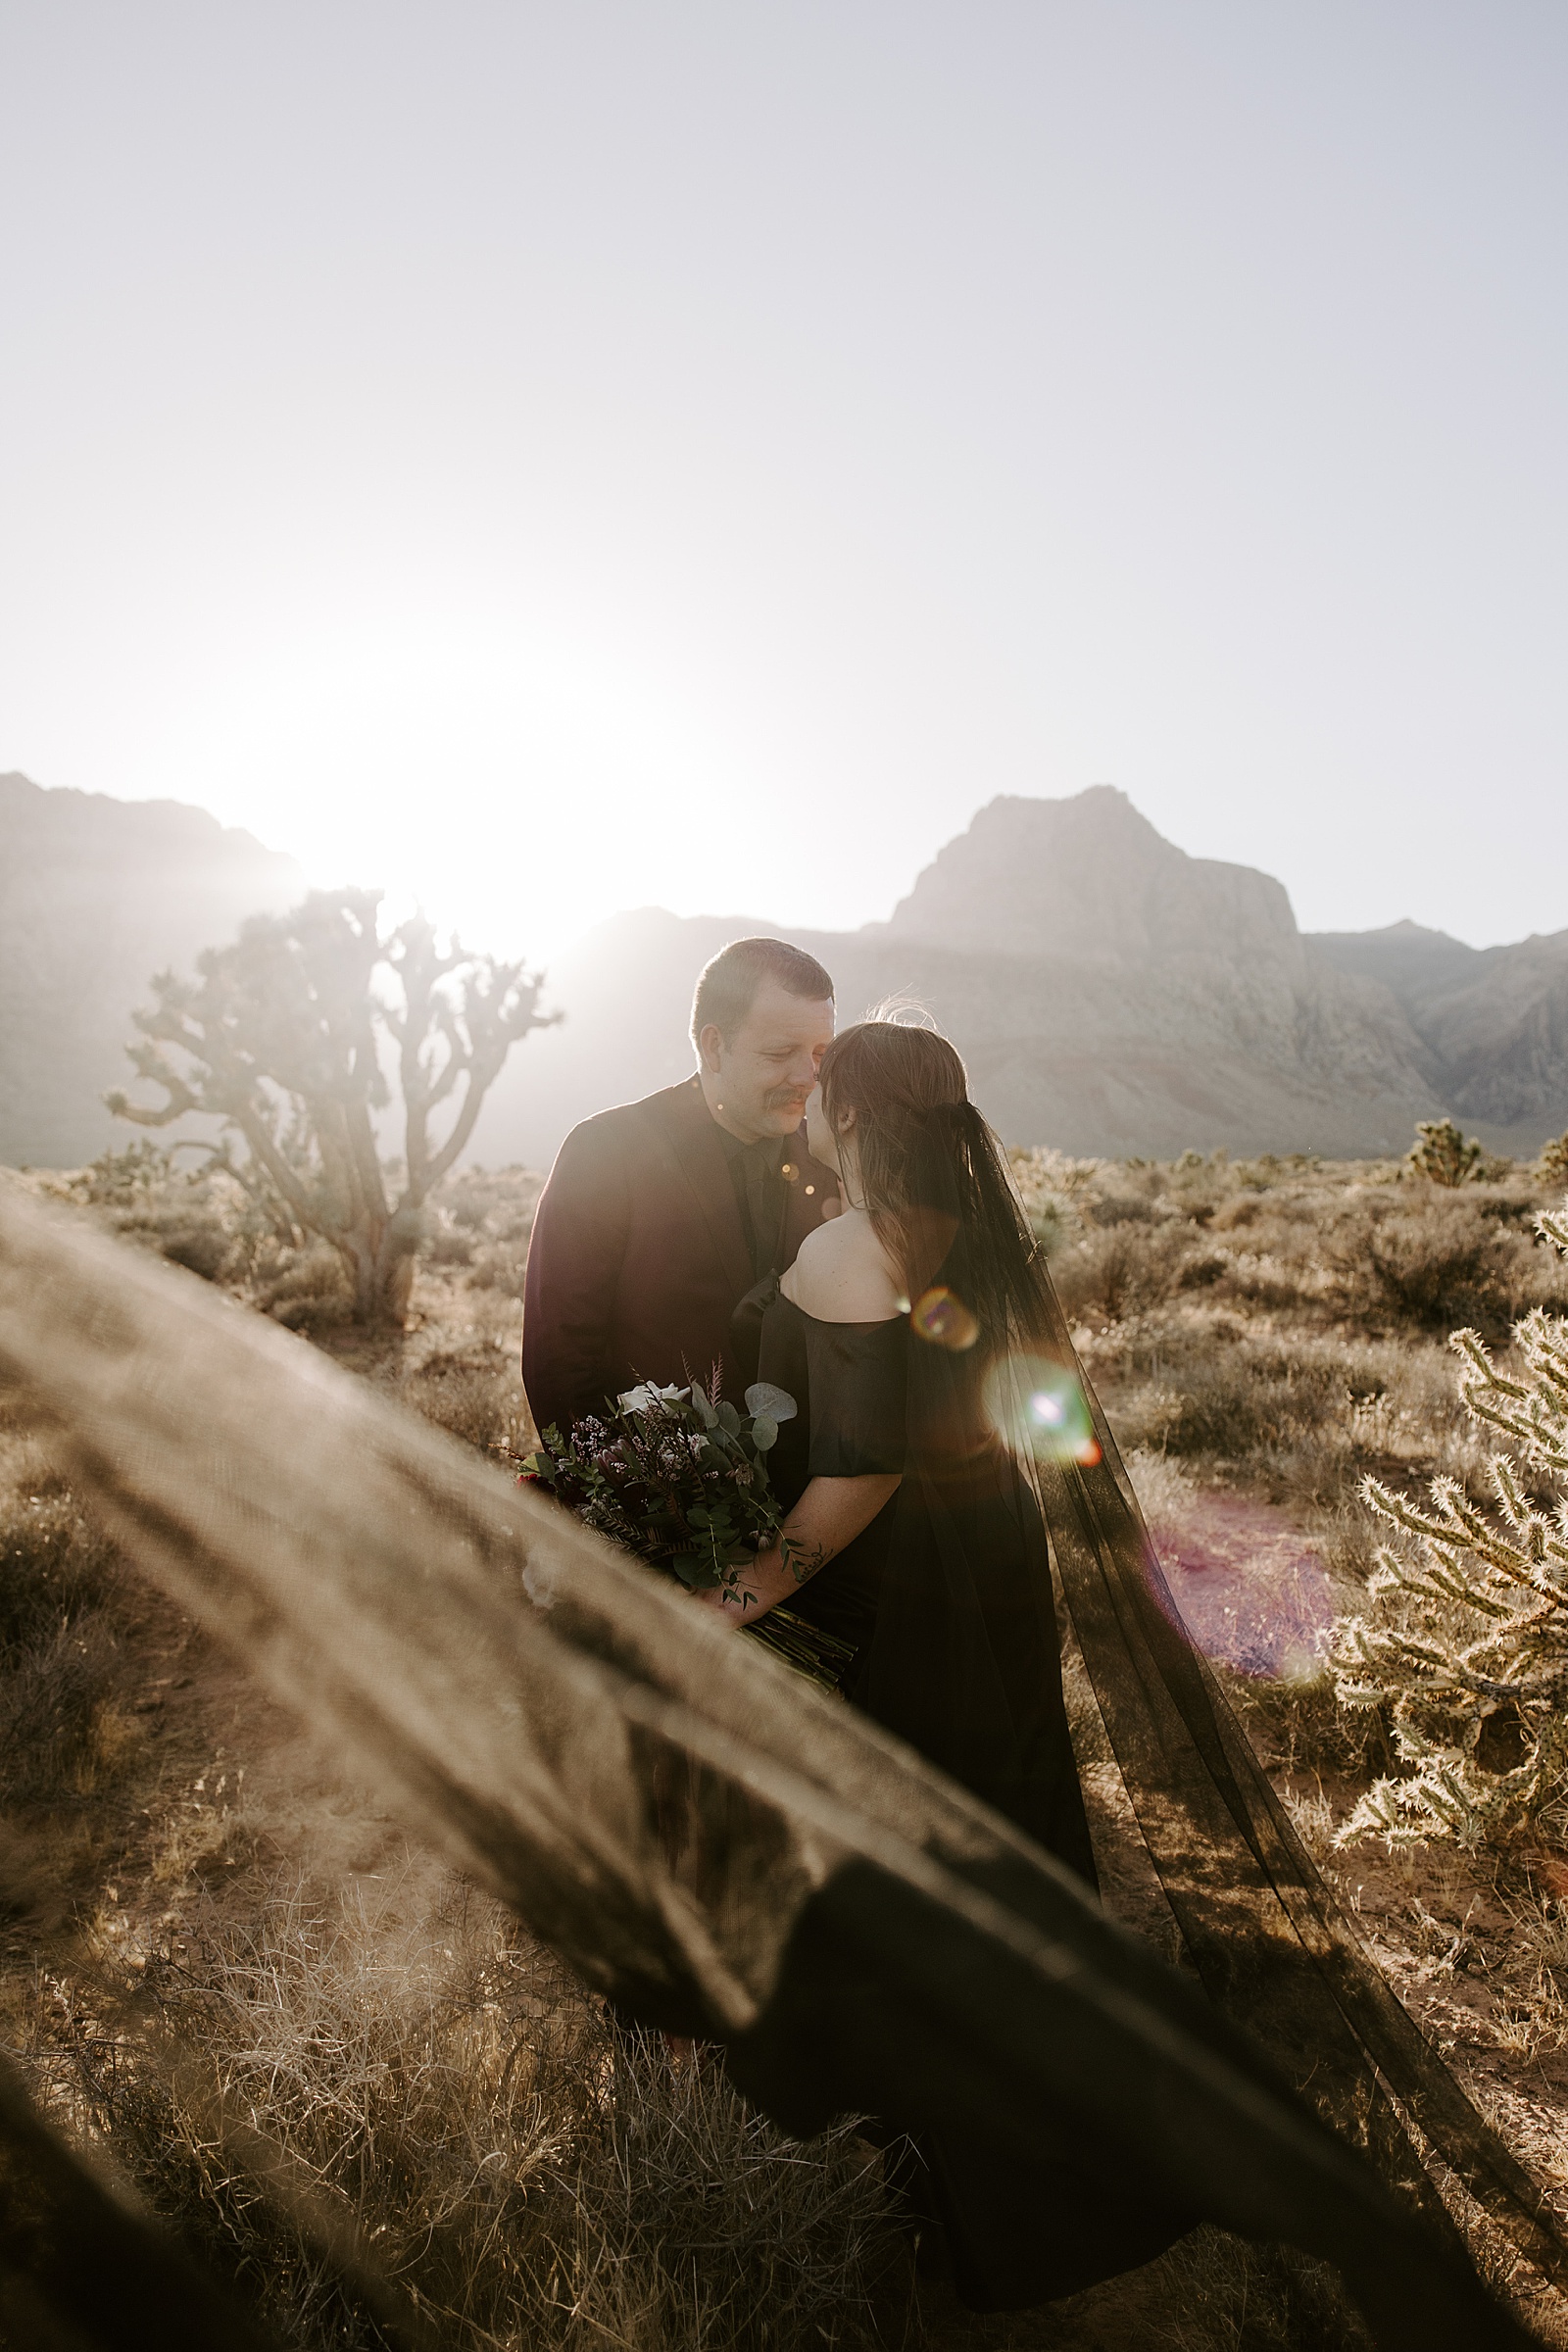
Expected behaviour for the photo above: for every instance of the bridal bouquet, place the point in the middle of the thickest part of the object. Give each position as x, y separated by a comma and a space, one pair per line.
681, 1480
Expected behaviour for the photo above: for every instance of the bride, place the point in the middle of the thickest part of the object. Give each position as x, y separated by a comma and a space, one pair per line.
912, 1530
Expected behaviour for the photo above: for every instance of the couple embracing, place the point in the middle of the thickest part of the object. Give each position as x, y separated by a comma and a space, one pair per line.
830, 1214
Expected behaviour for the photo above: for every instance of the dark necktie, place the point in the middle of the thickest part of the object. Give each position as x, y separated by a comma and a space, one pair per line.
759, 1167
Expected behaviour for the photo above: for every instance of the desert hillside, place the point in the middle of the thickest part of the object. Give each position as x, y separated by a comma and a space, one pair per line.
1492, 1021
95, 896
1113, 996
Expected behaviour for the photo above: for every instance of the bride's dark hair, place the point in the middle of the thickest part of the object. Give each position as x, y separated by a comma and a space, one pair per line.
936, 1184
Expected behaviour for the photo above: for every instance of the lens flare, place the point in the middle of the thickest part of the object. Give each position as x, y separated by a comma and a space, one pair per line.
941, 1316
1040, 1408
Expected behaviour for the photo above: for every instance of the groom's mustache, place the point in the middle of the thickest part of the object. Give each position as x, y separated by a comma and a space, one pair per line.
779, 1098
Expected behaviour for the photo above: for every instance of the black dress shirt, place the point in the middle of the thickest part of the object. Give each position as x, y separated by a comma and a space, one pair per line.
757, 1171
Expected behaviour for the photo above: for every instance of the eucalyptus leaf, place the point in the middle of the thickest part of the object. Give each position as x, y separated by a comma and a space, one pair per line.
730, 1418
770, 1403
764, 1432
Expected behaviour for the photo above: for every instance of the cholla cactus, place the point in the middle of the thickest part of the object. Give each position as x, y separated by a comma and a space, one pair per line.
1552, 1165
1441, 1154
1467, 1642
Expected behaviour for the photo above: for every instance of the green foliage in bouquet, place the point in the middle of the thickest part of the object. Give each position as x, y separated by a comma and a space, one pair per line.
1466, 1642
681, 1480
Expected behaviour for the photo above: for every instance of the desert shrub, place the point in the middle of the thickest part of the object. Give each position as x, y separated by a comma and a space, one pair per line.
1413, 1255
197, 1233
196, 1218
1552, 1165
1447, 1262
1271, 1168
308, 1289
462, 1395
1117, 1269
1121, 1208
483, 1221
499, 1267
1241, 1401
1237, 1213
447, 1244
1052, 1187
60, 1658
1099, 1274
519, 2161
499, 1201
1465, 1643
122, 1179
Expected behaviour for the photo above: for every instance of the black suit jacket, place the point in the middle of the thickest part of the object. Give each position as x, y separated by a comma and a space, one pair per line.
638, 1258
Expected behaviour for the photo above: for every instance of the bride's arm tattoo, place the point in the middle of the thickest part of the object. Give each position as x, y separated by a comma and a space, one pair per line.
803, 1560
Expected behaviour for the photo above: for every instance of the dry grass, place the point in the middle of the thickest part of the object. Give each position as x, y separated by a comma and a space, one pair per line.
65, 1731
528, 2171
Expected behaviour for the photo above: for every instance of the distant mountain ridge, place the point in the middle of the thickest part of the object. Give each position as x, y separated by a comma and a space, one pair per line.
1492, 1022
1110, 993
96, 894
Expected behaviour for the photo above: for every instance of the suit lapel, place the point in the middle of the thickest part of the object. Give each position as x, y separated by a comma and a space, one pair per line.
687, 1125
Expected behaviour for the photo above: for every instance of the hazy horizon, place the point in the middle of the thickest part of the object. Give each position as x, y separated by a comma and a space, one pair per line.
738, 913
554, 462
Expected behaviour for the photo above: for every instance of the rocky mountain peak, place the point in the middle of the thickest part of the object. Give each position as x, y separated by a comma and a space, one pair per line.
1090, 878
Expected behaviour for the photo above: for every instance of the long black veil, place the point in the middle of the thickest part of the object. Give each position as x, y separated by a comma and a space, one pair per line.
1270, 1941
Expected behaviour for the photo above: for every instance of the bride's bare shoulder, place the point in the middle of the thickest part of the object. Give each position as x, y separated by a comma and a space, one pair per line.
842, 1275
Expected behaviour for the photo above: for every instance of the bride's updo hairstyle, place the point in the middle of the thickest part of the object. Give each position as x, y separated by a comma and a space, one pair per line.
935, 1183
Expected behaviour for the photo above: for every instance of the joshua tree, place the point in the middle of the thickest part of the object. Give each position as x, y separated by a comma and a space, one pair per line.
1552, 1165
1441, 1154
280, 1039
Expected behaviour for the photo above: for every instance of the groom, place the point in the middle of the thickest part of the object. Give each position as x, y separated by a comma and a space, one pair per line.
661, 1215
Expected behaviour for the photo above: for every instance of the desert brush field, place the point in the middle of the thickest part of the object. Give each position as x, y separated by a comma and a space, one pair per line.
210, 1936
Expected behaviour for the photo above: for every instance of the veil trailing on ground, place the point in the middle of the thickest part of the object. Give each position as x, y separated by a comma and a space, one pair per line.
1267, 1935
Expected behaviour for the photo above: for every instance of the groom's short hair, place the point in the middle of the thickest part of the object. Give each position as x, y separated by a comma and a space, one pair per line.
727, 985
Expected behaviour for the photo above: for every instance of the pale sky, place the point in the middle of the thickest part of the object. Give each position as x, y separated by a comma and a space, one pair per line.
552, 458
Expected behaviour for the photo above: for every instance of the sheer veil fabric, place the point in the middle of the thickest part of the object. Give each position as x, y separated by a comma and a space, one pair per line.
1265, 1934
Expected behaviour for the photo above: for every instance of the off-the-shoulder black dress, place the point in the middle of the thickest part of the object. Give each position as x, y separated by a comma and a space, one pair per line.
947, 1594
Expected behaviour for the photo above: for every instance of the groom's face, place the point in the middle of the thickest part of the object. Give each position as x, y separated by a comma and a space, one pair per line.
758, 1079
